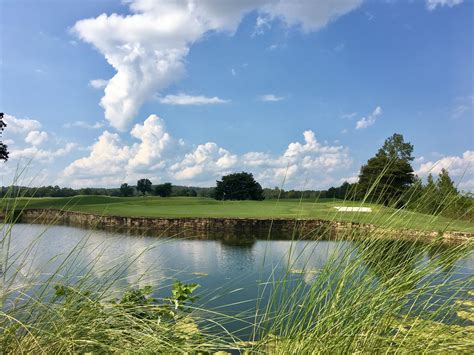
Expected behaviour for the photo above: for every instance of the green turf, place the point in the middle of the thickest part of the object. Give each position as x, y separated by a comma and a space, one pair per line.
205, 207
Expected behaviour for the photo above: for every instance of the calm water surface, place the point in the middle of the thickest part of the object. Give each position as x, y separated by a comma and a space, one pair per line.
229, 274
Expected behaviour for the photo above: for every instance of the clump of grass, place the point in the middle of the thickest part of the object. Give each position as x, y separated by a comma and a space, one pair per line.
372, 296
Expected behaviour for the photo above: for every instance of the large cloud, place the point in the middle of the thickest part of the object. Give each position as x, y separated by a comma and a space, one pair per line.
159, 156
112, 161
107, 158
456, 165
36, 137
29, 131
148, 47
20, 125
206, 163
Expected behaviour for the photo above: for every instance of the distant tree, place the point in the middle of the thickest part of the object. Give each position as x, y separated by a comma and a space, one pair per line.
164, 190
331, 193
144, 186
429, 198
448, 195
192, 193
445, 184
238, 186
276, 192
126, 190
430, 184
389, 173
3, 147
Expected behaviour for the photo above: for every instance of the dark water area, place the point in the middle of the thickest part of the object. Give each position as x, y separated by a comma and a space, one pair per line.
232, 272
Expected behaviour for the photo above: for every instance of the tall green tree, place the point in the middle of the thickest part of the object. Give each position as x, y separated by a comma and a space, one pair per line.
144, 186
429, 198
164, 190
445, 184
126, 190
3, 147
238, 186
448, 195
387, 175
414, 194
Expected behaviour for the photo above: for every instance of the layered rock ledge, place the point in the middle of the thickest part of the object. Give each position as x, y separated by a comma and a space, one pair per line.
229, 227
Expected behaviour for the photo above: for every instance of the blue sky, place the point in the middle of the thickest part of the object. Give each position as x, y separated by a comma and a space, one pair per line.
308, 90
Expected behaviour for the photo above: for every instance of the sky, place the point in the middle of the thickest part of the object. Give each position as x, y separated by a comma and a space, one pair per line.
300, 93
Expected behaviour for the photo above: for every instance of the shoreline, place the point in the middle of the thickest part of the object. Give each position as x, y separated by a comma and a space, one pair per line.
256, 228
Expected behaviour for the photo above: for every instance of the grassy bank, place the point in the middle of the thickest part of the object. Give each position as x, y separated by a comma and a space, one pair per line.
155, 207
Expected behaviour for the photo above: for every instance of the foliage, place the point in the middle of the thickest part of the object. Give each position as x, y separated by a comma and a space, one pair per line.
56, 191
144, 186
387, 175
440, 197
163, 190
182, 293
191, 191
126, 190
238, 186
85, 322
3, 147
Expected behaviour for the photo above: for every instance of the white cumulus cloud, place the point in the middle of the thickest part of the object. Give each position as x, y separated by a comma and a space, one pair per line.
154, 143
148, 47
456, 165
31, 142
208, 161
161, 157
42, 155
107, 158
21, 125
36, 137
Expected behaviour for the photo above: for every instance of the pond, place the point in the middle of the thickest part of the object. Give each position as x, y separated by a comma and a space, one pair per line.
231, 274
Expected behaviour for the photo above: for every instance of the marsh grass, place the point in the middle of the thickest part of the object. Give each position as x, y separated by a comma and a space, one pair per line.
374, 294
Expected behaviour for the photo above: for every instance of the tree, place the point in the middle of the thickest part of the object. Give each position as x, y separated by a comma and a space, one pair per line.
388, 174
445, 184
126, 190
448, 195
238, 186
163, 190
144, 186
3, 147
396, 148
430, 196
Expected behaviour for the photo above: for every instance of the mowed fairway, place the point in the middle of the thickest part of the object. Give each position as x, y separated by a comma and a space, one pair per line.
204, 207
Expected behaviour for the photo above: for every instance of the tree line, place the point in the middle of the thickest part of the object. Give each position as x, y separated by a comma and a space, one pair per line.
124, 190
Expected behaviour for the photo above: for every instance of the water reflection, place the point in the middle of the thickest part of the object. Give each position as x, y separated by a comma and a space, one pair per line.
222, 265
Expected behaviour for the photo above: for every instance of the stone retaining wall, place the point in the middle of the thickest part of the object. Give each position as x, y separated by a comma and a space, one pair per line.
259, 228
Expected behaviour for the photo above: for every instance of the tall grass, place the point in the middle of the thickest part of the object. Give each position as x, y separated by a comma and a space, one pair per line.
374, 294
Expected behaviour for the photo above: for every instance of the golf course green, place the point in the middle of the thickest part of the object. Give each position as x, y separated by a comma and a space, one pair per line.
181, 207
